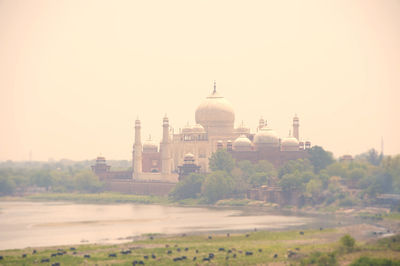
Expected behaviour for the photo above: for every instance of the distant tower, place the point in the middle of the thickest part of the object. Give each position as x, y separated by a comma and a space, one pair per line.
296, 126
137, 151
261, 123
165, 148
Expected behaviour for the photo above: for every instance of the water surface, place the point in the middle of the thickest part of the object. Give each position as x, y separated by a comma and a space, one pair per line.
34, 224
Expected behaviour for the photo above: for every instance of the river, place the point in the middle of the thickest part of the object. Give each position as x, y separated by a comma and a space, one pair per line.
35, 224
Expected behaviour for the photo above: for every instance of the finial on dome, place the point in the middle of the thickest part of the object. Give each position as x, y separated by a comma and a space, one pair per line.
215, 87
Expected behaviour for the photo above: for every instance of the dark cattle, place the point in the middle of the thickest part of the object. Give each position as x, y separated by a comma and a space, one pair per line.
141, 262
247, 235
321, 228
259, 250
134, 262
72, 248
291, 253
211, 255
24, 255
146, 257
249, 253
1, 257
227, 257
178, 249
197, 251
175, 245
234, 256
255, 229
206, 259
209, 237
184, 257
60, 253
221, 249
34, 251
228, 235
153, 256
275, 256
240, 251
186, 249
233, 249
301, 233
194, 258
74, 253
112, 255
177, 259
86, 256
229, 251
151, 238
55, 264
167, 246
45, 260
169, 252
183, 235
297, 249
54, 255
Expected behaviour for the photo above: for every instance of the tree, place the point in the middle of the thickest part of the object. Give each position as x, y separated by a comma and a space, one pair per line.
216, 186
293, 166
221, 160
189, 187
347, 242
291, 182
7, 185
320, 158
87, 181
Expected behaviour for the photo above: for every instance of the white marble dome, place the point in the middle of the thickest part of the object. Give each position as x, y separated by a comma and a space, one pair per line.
267, 137
242, 143
215, 111
290, 144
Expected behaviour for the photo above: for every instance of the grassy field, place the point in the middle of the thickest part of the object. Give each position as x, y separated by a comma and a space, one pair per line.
267, 248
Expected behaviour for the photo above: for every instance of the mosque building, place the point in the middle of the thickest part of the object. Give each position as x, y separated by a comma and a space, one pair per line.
193, 145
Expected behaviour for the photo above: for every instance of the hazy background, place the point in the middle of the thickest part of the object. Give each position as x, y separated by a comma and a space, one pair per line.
74, 75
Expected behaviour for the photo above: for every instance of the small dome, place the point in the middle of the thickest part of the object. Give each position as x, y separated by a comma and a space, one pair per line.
266, 136
242, 143
189, 156
187, 129
150, 146
198, 129
290, 144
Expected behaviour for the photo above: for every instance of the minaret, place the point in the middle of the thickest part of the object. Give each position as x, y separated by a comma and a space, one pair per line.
165, 148
261, 123
137, 151
296, 126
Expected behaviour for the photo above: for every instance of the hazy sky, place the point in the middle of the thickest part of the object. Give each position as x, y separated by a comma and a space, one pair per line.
74, 75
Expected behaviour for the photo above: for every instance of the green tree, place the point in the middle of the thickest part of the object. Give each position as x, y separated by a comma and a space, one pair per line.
216, 186
189, 187
87, 181
347, 243
320, 158
221, 160
7, 185
292, 166
292, 181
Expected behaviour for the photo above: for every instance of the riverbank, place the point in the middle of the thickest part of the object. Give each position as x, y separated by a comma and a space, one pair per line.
251, 248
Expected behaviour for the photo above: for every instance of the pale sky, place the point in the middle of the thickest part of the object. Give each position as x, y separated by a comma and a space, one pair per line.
74, 75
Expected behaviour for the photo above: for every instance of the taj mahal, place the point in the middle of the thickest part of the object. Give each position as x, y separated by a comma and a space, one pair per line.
194, 144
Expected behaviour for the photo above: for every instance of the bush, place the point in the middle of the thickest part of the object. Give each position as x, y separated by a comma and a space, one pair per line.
319, 258
366, 261
347, 243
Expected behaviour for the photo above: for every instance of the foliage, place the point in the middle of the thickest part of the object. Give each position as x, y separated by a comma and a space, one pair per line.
189, 187
221, 160
347, 243
320, 158
216, 186
367, 261
319, 258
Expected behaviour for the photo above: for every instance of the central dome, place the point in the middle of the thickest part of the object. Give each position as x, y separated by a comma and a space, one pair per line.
215, 112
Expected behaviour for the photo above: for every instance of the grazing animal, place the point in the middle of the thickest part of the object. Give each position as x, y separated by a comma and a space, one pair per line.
275, 256
175, 245
151, 238
1, 257
87, 256
60, 253
211, 255
320, 229
229, 251
167, 246
141, 262
177, 259
112, 255
45, 260
234, 256
297, 249
74, 253
247, 235
301, 233
221, 249
228, 235
184, 257
178, 249
54, 255
34, 251
183, 235
24, 255
169, 252
206, 259
209, 237
259, 250
255, 229
291, 253
146, 257
186, 249
197, 251
249, 253
233, 249
194, 258
134, 262
227, 257
55, 264
240, 251
72, 248
153, 256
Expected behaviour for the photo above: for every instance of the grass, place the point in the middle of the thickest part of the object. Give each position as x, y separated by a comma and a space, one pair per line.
263, 244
